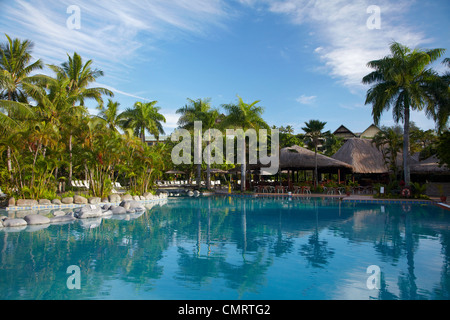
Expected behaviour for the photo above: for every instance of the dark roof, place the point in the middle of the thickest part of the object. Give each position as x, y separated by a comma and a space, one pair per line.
429, 166
342, 130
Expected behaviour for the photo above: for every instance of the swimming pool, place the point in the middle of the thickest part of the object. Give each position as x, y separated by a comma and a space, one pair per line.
236, 248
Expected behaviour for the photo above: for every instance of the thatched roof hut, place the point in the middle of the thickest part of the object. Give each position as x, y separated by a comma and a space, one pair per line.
298, 158
363, 156
429, 166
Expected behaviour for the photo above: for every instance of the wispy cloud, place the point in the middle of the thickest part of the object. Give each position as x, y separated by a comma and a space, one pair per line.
345, 42
111, 31
303, 99
117, 91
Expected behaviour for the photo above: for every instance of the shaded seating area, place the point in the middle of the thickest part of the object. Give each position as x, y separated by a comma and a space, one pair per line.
294, 159
294, 162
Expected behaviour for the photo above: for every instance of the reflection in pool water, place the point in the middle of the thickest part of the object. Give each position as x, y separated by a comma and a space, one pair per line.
236, 248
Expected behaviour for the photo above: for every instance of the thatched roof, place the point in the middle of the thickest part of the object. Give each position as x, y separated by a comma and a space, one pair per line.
296, 157
362, 155
429, 166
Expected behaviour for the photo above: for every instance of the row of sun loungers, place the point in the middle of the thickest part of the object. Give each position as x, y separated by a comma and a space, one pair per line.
84, 184
80, 184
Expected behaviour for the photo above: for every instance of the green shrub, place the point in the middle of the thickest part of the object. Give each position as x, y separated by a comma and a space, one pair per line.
48, 194
417, 190
66, 194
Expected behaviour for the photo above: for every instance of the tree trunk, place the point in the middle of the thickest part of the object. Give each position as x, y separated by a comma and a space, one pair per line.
316, 175
208, 176
208, 163
243, 166
199, 165
8, 156
406, 170
70, 160
8, 152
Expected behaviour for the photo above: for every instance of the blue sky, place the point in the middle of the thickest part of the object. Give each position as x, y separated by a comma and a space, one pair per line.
304, 59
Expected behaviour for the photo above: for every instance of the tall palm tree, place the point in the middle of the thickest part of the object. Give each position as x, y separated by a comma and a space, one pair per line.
313, 133
143, 116
15, 71
80, 76
244, 116
199, 110
402, 80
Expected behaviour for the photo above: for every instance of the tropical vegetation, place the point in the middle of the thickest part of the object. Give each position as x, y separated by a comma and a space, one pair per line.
48, 139
404, 81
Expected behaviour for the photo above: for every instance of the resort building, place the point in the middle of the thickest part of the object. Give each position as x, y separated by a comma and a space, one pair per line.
370, 132
151, 140
344, 133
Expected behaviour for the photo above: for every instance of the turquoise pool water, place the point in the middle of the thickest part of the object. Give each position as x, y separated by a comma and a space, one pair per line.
236, 248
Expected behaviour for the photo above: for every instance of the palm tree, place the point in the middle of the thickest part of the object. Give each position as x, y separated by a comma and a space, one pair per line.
199, 110
313, 133
402, 80
143, 116
244, 116
389, 142
110, 114
15, 70
80, 76
441, 92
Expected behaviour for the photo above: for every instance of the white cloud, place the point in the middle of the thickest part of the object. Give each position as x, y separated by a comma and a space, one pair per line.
116, 91
171, 121
111, 30
346, 43
303, 99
